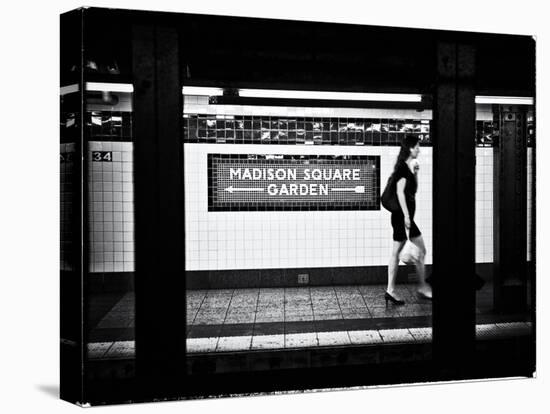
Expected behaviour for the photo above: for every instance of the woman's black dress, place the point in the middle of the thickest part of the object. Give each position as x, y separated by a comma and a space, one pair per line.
398, 218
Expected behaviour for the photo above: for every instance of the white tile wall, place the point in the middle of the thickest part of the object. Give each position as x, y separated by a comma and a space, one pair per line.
249, 240
111, 209
256, 240
484, 194
66, 205
298, 239
484, 205
304, 239
529, 199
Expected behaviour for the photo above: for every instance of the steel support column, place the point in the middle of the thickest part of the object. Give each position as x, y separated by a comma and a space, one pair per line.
453, 208
510, 209
74, 297
159, 277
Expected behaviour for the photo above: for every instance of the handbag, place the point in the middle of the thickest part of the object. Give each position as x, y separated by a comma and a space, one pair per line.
410, 253
389, 196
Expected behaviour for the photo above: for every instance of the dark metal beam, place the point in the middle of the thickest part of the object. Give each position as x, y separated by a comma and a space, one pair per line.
453, 208
74, 269
510, 209
159, 284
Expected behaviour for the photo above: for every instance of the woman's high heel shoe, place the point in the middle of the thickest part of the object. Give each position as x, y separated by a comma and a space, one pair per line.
422, 295
393, 300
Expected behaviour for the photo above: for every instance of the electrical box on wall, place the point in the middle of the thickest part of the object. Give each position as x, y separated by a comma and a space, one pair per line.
303, 279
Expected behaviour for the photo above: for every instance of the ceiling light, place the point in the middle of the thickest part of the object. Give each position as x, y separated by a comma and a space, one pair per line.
505, 100
109, 87
201, 90
65, 90
329, 95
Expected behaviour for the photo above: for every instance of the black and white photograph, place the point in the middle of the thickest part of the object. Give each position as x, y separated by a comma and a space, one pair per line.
264, 205
293, 203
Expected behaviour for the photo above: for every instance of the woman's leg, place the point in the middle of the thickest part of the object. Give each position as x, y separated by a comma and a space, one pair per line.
393, 265
423, 287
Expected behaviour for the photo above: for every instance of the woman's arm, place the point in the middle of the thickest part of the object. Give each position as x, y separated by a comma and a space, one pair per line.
402, 202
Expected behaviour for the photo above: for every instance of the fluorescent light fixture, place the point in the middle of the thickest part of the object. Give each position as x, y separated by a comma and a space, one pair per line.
505, 100
291, 94
65, 90
109, 87
201, 90
329, 95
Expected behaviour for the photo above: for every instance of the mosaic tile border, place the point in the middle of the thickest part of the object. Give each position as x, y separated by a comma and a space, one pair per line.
239, 129
115, 126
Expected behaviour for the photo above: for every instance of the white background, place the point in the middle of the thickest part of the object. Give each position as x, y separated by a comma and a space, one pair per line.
29, 215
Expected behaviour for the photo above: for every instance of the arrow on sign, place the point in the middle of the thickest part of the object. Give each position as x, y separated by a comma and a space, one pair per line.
232, 189
357, 189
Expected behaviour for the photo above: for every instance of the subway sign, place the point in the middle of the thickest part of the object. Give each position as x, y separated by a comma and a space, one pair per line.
271, 182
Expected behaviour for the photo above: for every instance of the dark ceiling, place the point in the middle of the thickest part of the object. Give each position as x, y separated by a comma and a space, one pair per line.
237, 51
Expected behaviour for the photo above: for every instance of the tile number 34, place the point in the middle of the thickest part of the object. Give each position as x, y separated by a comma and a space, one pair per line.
102, 156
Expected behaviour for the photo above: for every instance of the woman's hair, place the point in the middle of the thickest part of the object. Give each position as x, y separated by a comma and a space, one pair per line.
407, 144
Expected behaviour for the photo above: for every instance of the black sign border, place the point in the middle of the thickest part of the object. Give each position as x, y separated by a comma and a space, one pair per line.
235, 207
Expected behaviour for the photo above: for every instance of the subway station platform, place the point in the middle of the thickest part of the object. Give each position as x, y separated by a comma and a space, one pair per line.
241, 320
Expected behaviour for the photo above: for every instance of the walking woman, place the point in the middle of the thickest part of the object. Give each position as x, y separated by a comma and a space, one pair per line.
402, 221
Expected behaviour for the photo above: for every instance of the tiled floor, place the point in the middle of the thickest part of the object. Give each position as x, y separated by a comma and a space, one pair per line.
235, 320
257, 306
